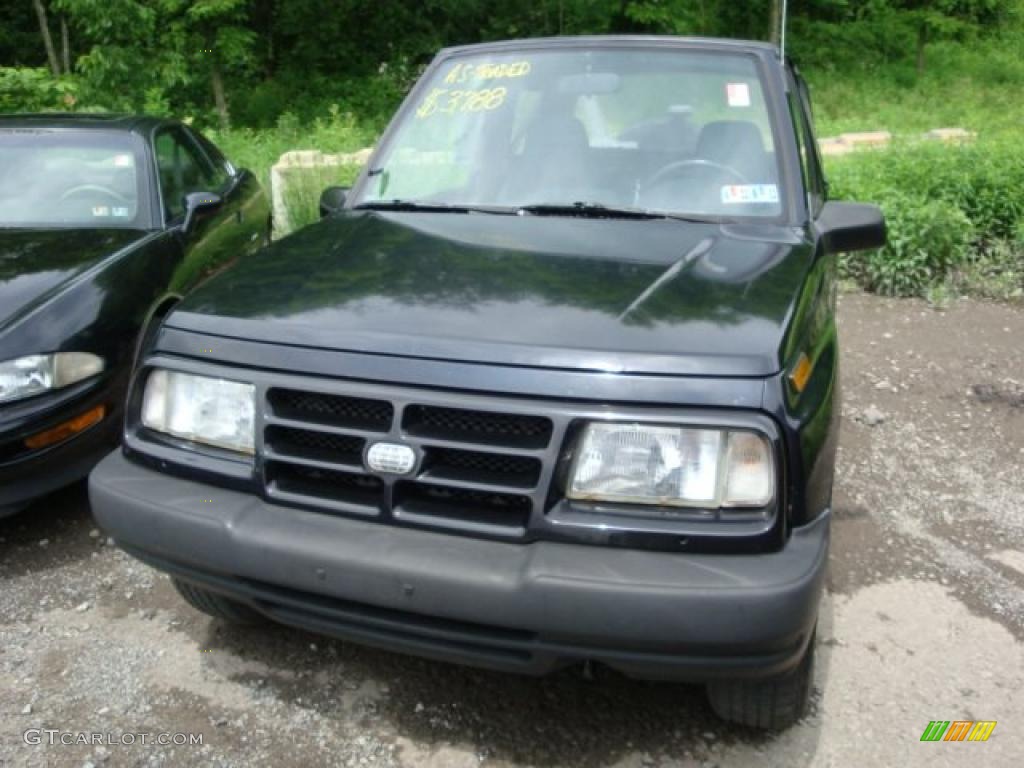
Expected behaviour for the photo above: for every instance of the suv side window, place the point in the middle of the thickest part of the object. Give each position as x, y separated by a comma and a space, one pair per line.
814, 178
182, 168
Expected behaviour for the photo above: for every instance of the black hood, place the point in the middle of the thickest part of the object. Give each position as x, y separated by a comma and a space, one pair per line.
653, 296
35, 264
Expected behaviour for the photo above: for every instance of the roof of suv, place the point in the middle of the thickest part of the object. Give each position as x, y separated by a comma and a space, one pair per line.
708, 43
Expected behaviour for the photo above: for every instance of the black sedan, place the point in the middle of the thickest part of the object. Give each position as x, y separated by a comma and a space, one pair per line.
105, 223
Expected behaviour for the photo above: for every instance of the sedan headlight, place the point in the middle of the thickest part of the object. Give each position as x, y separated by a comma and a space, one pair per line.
672, 466
200, 409
32, 375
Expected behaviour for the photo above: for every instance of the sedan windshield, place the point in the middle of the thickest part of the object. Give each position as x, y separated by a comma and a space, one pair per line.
586, 131
68, 178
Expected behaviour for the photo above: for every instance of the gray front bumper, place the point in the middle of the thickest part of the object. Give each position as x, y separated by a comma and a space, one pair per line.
527, 608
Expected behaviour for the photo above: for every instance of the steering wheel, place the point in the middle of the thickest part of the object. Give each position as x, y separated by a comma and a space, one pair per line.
657, 193
93, 188
687, 167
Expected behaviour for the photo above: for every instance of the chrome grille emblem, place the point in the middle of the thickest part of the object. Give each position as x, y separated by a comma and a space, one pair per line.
390, 458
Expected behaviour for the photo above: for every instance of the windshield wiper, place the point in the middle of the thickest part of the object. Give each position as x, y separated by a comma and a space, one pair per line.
414, 206
600, 211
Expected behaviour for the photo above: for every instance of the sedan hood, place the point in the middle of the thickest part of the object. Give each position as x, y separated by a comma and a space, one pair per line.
35, 264
612, 295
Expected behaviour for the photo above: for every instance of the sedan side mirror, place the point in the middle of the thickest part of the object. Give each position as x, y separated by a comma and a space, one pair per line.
848, 227
332, 200
196, 203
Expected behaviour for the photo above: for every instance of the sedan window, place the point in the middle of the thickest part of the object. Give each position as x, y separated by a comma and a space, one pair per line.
182, 169
69, 179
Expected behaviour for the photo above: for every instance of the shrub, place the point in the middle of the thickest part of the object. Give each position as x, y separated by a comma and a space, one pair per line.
928, 240
950, 210
302, 193
336, 132
30, 89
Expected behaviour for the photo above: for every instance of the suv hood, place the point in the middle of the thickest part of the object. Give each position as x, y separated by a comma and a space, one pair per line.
35, 264
614, 295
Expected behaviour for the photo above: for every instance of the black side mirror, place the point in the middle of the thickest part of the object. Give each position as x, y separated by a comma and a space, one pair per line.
848, 227
332, 200
196, 203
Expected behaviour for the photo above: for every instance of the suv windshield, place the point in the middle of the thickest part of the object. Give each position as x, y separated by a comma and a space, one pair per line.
677, 132
68, 179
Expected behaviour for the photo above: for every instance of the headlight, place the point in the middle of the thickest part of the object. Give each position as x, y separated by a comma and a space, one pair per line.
34, 374
200, 409
672, 466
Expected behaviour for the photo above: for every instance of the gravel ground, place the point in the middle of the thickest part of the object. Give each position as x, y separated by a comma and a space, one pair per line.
924, 617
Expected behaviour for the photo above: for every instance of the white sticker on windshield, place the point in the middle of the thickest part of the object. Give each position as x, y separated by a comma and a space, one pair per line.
124, 161
750, 193
121, 212
738, 94
100, 210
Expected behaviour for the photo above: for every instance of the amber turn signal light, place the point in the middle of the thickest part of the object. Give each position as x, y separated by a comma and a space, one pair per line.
62, 432
801, 373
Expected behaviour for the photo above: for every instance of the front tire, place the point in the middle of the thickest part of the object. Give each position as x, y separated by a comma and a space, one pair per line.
217, 606
772, 704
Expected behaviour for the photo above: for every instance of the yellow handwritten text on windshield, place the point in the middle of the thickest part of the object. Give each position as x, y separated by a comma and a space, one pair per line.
462, 73
446, 102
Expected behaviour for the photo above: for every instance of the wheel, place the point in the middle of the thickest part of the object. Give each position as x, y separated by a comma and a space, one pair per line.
773, 704
218, 606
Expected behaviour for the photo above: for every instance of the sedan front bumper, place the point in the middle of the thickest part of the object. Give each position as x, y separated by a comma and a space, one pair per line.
26, 475
518, 607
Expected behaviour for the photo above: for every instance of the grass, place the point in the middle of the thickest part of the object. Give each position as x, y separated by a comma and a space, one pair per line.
302, 192
974, 87
258, 150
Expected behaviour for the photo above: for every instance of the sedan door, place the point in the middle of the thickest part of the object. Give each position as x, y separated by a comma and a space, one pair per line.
216, 237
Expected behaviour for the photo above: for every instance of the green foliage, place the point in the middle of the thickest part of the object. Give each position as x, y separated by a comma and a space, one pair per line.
257, 150
927, 241
302, 194
954, 214
32, 89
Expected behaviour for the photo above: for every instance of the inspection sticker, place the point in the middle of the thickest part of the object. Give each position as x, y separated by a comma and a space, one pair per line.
750, 193
100, 210
120, 212
123, 161
738, 94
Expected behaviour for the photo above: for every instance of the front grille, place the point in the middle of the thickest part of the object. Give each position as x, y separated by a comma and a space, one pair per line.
333, 410
459, 504
489, 468
482, 427
478, 470
318, 446
314, 483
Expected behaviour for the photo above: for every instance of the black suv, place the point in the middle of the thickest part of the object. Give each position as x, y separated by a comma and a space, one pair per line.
554, 382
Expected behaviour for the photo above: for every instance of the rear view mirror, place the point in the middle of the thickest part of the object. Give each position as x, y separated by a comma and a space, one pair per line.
196, 203
848, 227
332, 200
589, 84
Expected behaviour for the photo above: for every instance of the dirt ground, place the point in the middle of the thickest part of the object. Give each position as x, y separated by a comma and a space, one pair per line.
924, 617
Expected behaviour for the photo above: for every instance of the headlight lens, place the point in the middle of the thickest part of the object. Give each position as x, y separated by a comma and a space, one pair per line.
672, 466
27, 376
200, 409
